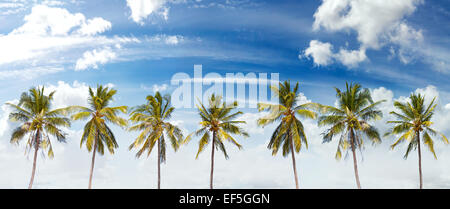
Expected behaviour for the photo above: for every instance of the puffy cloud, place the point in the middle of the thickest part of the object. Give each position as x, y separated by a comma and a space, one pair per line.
49, 31
370, 19
95, 57
44, 20
4, 118
320, 52
351, 58
405, 35
173, 40
376, 24
251, 125
69, 94
407, 40
9, 7
166, 39
94, 26
141, 9
65, 95
441, 118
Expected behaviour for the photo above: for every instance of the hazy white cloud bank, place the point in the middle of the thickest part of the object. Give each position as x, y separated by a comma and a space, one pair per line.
252, 167
91, 59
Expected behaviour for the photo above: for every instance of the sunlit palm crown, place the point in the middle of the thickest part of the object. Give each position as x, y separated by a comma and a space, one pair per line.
354, 110
414, 117
100, 114
219, 120
151, 120
286, 112
38, 120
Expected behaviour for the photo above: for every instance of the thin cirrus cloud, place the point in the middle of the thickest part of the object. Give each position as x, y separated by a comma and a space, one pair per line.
376, 23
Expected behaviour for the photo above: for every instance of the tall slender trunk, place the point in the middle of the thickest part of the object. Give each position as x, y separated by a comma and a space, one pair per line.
92, 163
36, 148
212, 162
159, 164
355, 164
293, 161
420, 159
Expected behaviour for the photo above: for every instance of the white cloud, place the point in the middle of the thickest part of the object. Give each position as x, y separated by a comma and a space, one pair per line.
407, 40
159, 88
141, 9
320, 52
91, 59
447, 106
44, 20
370, 19
376, 23
29, 73
69, 94
166, 39
351, 58
70, 161
405, 35
440, 119
94, 26
173, 40
251, 125
65, 95
316, 166
45, 36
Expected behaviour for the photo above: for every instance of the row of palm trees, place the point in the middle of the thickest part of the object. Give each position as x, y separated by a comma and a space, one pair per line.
349, 121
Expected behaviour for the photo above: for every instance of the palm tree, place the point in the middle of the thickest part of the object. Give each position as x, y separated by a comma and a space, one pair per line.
217, 120
413, 120
151, 120
39, 122
290, 133
97, 134
351, 119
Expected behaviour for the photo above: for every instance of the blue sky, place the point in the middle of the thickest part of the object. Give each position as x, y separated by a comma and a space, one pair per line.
392, 48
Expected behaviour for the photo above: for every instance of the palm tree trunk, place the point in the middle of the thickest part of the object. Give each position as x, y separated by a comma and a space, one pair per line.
159, 164
92, 163
355, 164
293, 161
420, 160
36, 148
212, 162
